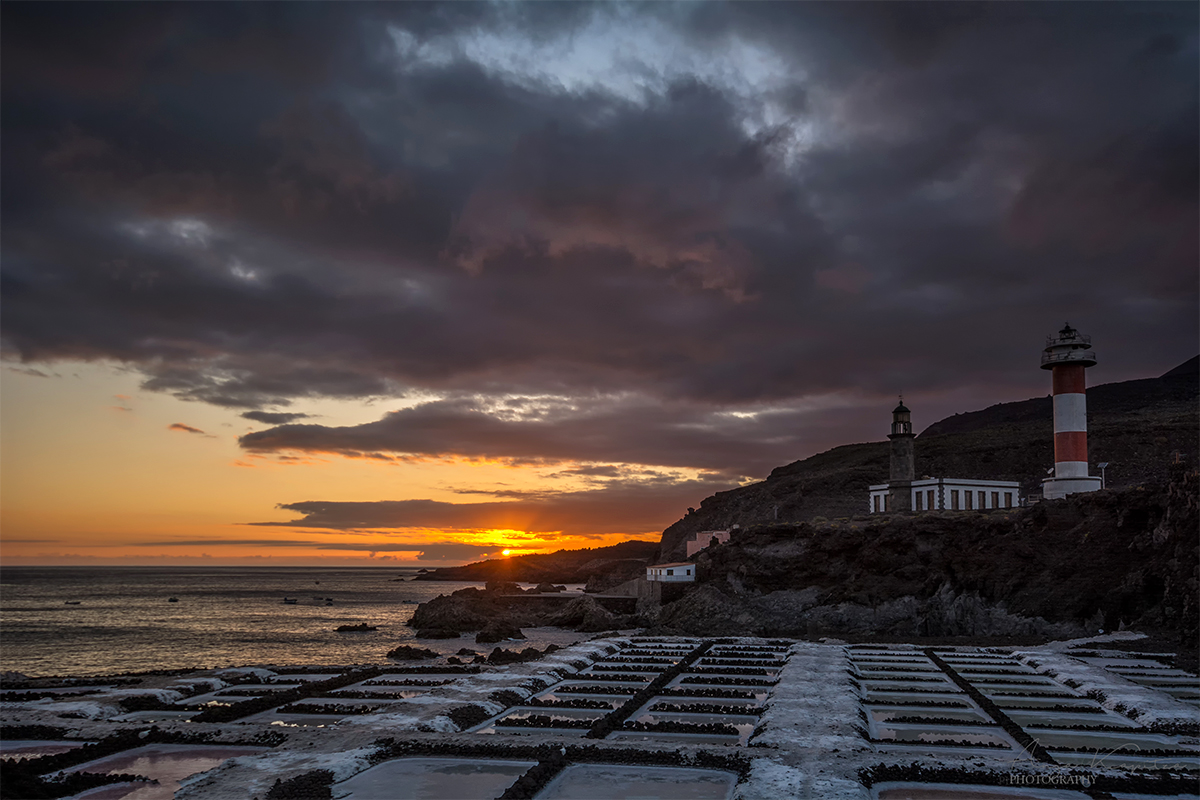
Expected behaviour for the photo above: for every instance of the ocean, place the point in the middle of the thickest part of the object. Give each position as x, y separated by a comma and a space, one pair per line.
225, 616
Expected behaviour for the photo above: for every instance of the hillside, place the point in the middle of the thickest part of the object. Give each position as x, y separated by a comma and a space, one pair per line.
596, 565
1125, 557
1137, 426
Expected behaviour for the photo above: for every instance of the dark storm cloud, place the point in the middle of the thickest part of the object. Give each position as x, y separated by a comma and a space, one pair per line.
274, 417
261, 203
607, 430
620, 507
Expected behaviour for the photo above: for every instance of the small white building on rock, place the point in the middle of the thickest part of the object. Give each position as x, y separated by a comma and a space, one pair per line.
681, 572
949, 494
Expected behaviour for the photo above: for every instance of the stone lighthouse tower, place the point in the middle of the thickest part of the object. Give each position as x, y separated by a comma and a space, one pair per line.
1067, 355
902, 468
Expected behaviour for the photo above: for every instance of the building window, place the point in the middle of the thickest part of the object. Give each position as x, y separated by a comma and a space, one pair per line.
1008, 499
875, 504
929, 500
919, 504
670, 572
954, 499
995, 499
967, 497
688, 572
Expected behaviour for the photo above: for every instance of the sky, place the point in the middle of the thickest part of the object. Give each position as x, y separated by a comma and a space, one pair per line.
419, 283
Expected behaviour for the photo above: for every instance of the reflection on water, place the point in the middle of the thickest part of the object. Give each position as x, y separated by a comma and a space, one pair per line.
225, 616
433, 779
28, 748
166, 763
961, 736
611, 782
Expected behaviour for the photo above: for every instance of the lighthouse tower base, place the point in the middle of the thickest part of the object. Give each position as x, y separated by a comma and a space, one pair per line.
1054, 488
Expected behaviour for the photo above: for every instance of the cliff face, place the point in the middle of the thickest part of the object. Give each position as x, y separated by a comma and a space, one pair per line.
1065, 567
1136, 426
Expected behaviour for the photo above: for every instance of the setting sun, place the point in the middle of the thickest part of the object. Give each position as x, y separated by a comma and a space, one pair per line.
507, 553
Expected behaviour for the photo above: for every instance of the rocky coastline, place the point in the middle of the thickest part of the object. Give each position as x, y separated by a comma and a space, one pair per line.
1112, 560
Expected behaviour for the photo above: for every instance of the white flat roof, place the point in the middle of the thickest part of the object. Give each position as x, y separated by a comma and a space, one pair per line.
927, 482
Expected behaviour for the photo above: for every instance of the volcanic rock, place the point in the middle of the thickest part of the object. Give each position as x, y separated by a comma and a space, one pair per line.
408, 653
708, 609
497, 632
584, 614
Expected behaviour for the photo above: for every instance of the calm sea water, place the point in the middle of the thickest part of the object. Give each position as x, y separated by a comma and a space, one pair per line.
225, 616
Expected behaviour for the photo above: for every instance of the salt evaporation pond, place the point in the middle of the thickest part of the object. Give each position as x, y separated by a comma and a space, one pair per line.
166, 763
565, 715
932, 791
919, 734
1024, 718
433, 779
1127, 760
33, 748
1103, 740
1043, 703
890, 713
613, 782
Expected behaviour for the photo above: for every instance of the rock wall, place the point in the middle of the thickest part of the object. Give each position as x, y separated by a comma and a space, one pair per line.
1061, 568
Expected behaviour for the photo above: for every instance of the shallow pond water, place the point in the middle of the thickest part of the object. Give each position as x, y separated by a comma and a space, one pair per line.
1016, 690
294, 720
433, 779
32, 748
935, 791
1127, 761
524, 712
919, 734
615, 782
166, 763
1013, 701
1024, 717
613, 700
952, 696
387, 692
217, 697
1103, 740
587, 688
888, 713
151, 717
873, 686
743, 724
307, 677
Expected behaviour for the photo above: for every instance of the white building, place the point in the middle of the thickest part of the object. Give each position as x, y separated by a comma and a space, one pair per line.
681, 572
949, 494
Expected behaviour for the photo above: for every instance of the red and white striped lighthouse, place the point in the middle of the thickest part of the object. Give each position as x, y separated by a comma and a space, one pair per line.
1067, 356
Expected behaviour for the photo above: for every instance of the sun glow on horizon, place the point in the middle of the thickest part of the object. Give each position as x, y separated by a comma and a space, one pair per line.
157, 479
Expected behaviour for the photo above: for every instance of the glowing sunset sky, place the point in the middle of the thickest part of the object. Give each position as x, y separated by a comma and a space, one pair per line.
301, 283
